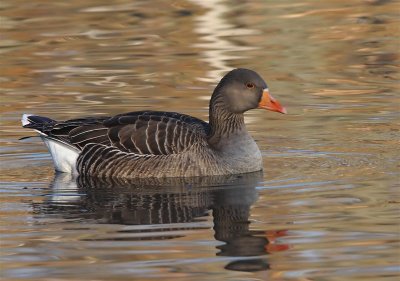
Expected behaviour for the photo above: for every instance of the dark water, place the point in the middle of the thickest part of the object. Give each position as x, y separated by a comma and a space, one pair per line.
326, 206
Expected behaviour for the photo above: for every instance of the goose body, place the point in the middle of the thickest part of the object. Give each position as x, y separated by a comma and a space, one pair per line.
163, 144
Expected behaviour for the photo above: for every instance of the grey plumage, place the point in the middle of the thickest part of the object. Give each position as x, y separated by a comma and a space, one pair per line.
166, 144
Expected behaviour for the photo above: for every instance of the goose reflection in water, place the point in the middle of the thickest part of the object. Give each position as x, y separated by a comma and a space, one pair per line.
171, 201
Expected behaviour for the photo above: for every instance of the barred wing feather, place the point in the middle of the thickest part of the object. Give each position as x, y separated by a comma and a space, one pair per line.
141, 132
156, 133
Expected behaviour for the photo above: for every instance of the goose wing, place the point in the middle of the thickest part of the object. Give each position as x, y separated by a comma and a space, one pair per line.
156, 133
143, 132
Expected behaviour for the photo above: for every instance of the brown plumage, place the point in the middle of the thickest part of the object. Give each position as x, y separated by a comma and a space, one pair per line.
163, 144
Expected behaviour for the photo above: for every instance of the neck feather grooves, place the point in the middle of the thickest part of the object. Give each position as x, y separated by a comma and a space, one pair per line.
222, 122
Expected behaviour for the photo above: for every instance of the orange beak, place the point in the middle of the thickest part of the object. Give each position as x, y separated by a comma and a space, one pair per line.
269, 103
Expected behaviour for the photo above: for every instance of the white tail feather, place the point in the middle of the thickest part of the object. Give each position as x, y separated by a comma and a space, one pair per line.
25, 120
64, 155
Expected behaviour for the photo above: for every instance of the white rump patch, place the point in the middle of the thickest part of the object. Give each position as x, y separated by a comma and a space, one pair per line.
64, 156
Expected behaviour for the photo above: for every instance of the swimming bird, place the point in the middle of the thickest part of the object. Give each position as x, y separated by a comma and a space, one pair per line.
160, 144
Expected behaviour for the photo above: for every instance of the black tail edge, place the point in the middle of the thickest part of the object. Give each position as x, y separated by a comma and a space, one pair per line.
31, 121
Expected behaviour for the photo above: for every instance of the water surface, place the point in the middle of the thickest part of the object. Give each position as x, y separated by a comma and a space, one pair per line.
326, 206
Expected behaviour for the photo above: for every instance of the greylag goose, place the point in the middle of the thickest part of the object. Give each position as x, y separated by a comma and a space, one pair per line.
163, 144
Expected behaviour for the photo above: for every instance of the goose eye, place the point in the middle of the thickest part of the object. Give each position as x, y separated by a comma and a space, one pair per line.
250, 85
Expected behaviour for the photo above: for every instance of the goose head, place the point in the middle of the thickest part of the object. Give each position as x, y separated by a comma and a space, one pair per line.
243, 89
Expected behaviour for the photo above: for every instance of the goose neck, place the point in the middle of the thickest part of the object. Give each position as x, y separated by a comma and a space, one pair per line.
224, 124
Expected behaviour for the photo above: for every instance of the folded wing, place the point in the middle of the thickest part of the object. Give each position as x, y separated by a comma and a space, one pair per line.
154, 134
143, 132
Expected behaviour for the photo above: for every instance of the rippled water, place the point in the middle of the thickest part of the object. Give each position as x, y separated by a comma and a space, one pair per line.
326, 206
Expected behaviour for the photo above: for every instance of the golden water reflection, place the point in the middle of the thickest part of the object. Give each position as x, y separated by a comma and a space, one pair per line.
327, 204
